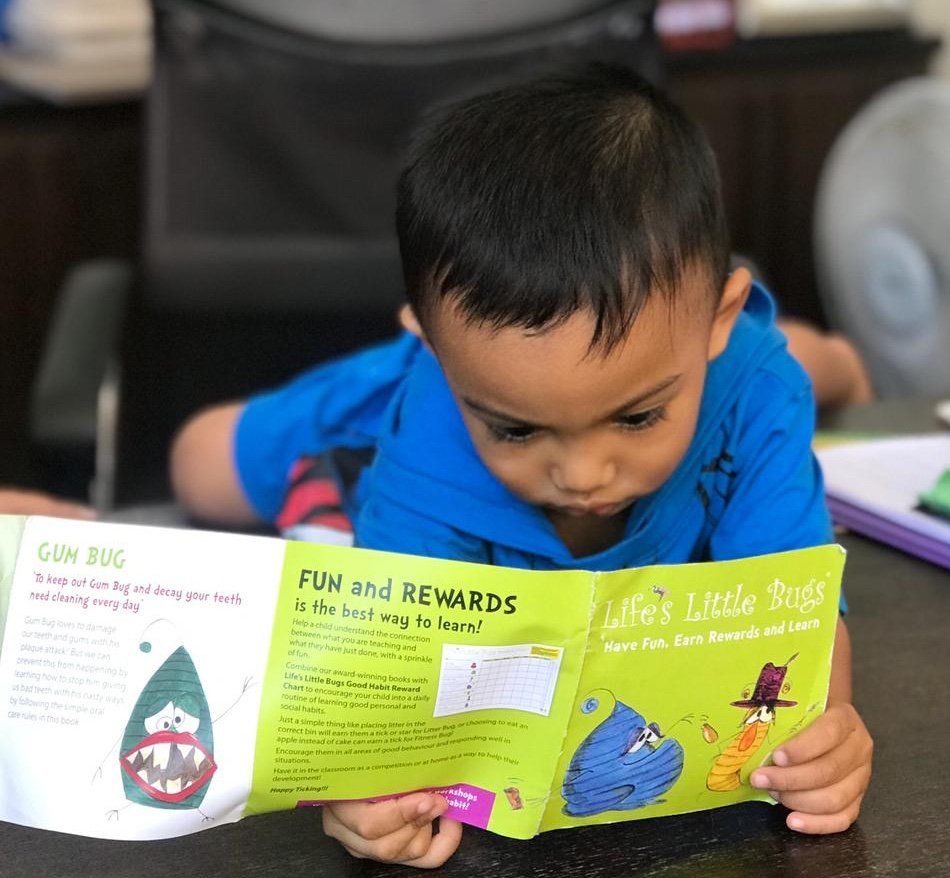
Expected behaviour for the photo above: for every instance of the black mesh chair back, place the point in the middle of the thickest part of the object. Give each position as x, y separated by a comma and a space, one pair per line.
273, 149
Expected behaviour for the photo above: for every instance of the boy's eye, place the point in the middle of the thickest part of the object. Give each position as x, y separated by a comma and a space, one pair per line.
642, 420
511, 434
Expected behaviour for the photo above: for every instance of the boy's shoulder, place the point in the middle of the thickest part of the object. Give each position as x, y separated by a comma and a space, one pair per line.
756, 373
777, 380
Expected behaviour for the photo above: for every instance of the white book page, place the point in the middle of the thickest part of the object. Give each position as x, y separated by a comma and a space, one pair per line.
108, 625
887, 476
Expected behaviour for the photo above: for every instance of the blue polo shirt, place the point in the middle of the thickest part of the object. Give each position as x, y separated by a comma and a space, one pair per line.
747, 485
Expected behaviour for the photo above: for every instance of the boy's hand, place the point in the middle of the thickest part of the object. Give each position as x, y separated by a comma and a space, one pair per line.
394, 831
822, 773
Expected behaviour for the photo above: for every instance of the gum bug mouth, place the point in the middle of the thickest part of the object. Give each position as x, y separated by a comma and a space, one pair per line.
169, 766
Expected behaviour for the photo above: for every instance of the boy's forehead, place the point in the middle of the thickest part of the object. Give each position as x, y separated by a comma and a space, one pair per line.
692, 303
533, 374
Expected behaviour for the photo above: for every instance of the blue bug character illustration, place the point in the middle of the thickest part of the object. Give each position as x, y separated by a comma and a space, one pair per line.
623, 764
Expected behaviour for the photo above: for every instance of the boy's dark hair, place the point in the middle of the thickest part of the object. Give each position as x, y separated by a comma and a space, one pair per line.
584, 189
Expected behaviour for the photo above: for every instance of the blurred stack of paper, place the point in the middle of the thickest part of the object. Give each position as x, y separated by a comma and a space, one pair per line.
767, 18
874, 488
78, 50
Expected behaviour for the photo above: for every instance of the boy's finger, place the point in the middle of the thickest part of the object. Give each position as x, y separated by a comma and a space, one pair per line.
824, 734
826, 770
419, 846
371, 820
823, 824
441, 847
830, 800
391, 848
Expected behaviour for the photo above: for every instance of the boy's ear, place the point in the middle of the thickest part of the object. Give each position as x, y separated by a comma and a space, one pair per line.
409, 322
731, 302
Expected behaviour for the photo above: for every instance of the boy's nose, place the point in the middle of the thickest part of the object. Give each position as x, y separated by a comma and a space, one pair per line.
582, 475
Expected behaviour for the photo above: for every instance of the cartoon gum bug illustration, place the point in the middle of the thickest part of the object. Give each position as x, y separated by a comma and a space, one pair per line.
170, 766
724, 774
166, 752
624, 763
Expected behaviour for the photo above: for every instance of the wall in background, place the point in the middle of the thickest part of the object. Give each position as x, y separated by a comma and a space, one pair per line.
934, 16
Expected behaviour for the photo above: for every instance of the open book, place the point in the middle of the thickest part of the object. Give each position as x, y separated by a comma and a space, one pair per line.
874, 488
155, 681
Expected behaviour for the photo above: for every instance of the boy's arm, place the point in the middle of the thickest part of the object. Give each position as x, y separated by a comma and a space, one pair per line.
839, 689
20, 501
203, 474
834, 365
822, 774
231, 463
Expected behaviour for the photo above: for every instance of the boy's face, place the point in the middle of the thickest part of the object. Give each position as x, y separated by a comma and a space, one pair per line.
573, 431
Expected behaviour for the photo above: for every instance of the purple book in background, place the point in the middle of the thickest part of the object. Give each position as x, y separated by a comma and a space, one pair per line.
873, 489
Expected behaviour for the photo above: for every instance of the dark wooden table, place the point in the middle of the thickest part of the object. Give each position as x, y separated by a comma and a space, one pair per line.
900, 625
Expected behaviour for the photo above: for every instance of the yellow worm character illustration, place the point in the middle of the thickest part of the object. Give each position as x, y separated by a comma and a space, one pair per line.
724, 774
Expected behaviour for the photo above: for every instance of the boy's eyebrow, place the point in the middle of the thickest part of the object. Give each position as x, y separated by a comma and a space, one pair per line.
629, 404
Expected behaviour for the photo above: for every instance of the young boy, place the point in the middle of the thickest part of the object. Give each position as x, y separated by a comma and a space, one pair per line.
582, 384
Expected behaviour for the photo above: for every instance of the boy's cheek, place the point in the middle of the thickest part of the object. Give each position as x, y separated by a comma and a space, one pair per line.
524, 475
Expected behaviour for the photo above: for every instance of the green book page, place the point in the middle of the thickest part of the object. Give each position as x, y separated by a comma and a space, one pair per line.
694, 675
390, 673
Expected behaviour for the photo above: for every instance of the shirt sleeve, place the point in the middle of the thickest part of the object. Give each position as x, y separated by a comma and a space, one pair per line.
388, 527
777, 501
336, 404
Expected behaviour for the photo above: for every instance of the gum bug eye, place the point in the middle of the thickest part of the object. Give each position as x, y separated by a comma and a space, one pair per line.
161, 720
186, 722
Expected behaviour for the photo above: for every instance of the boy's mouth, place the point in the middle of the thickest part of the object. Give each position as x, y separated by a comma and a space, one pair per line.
602, 510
